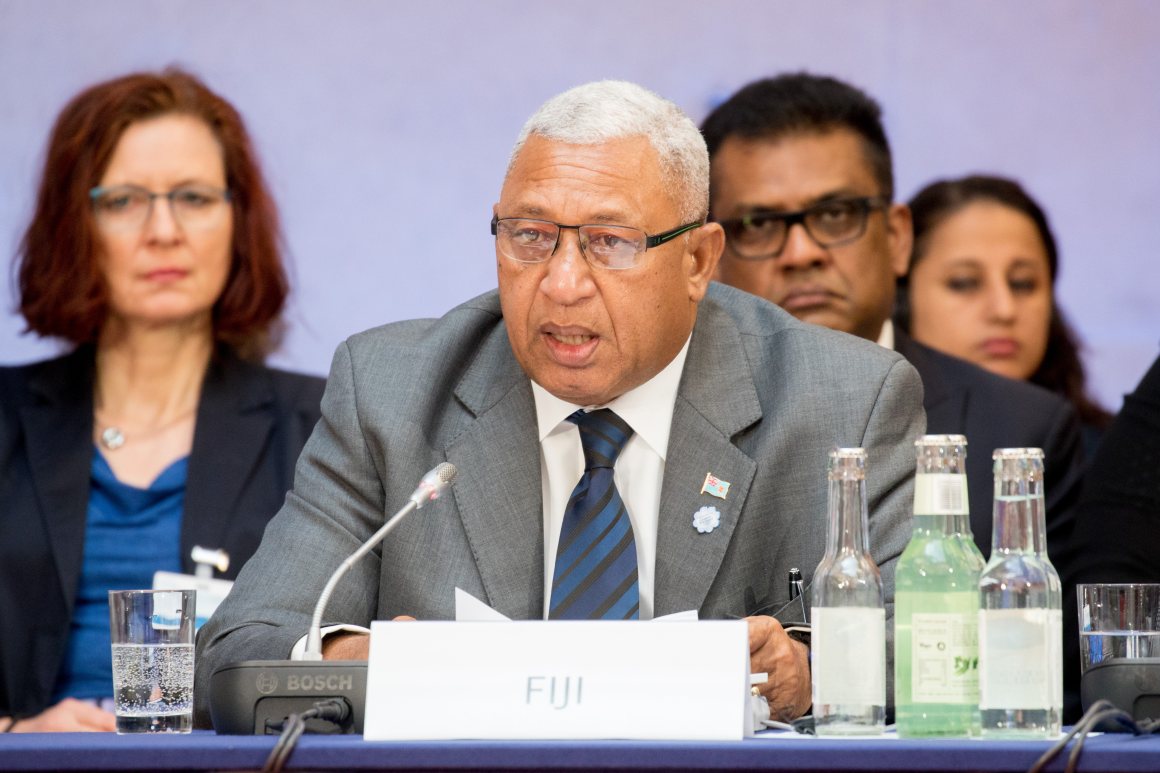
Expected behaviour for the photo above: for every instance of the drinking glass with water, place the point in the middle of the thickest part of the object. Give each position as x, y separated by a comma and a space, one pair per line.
152, 636
1118, 621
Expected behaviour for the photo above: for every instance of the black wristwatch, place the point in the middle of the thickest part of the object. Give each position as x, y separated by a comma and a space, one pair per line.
799, 632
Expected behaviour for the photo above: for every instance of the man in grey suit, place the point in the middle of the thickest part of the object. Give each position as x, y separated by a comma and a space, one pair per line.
803, 186
604, 302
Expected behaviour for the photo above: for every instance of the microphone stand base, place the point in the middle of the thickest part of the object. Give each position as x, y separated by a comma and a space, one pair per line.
255, 697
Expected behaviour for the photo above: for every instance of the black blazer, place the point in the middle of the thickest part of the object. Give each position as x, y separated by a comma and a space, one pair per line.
252, 422
1117, 532
1117, 529
997, 412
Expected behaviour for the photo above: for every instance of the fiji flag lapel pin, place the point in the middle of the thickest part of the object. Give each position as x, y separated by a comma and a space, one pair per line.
714, 486
708, 518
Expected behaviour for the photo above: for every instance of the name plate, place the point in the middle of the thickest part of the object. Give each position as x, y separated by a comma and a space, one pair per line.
558, 680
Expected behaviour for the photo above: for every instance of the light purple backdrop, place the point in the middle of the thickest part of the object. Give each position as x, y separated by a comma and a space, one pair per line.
385, 127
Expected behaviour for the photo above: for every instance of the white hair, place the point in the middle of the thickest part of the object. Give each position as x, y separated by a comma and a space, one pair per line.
602, 111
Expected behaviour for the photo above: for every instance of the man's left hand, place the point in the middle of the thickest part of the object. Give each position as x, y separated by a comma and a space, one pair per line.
786, 661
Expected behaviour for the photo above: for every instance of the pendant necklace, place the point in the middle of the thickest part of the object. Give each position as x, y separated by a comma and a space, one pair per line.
112, 437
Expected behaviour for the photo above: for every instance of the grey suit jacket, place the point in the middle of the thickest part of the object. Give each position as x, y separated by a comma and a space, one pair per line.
762, 399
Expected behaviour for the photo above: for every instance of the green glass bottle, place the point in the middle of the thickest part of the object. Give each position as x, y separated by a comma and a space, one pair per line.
960, 527
936, 602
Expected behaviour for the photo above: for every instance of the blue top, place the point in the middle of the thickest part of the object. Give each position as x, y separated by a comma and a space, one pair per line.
130, 533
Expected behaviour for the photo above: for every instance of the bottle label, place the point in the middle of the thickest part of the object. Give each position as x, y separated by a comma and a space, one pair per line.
848, 655
1015, 663
944, 652
940, 493
1055, 644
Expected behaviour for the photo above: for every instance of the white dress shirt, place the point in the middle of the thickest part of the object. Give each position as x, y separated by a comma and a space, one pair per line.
638, 473
886, 337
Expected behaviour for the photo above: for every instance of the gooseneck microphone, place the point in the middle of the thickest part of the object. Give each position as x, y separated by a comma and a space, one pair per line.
256, 696
432, 485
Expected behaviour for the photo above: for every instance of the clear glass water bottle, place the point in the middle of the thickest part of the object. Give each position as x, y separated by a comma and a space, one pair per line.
848, 660
1038, 503
936, 602
1017, 675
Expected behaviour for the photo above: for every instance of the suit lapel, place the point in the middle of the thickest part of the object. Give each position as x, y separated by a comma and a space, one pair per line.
60, 453
233, 427
498, 490
717, 399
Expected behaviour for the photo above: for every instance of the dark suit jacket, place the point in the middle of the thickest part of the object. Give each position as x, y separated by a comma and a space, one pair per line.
251, 424
1117, 533
997, 412
1117, 530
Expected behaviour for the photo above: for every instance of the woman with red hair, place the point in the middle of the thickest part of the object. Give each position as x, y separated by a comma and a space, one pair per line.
153, 252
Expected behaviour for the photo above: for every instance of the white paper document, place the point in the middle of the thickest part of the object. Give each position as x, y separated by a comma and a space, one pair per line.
469, 609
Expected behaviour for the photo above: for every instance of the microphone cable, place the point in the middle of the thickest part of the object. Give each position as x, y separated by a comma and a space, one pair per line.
333, 710
1101, 714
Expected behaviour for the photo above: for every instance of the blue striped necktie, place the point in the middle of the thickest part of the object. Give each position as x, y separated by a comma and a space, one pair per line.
595, 576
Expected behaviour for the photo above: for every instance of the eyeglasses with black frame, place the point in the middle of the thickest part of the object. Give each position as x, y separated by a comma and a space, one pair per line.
617, 247
762, 235
128, 207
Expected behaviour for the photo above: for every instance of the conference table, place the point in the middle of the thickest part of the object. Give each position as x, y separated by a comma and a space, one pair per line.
203, 751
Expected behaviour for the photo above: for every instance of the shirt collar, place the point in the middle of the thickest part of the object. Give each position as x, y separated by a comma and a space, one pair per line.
648, 408
886, 337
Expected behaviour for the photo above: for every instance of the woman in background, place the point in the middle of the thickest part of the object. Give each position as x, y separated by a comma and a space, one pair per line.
153, 251
980, 286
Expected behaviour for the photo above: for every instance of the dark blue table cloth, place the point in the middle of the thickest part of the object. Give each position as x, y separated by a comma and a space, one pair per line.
206, 751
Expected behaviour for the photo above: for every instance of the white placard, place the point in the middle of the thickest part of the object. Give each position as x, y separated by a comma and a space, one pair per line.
558, 680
